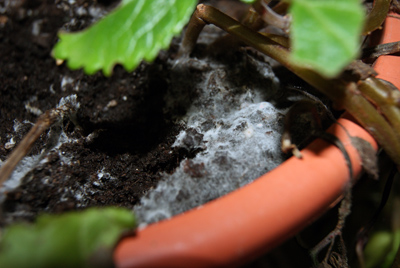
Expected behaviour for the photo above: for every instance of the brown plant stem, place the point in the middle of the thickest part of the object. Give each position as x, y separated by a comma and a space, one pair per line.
380, 50
280, 8
376, 16
385, 98
272, 18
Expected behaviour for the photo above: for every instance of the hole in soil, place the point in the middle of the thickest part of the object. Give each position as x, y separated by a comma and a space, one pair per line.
128, 137
138, 125
32, 3
107, 3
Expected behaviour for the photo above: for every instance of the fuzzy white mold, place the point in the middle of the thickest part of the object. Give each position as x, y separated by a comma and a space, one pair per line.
236, 130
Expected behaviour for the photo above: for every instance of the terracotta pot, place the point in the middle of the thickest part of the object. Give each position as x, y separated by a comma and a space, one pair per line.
252, 220
387, 66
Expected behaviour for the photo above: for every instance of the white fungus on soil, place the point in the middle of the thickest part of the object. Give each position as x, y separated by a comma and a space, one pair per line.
56, 136
65, 81
233, 123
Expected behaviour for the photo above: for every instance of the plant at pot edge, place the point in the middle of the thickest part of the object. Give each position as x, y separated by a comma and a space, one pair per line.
342, 91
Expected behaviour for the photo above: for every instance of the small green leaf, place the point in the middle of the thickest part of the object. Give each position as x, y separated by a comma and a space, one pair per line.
248, 1
325, 34
76, 239
135, 30
382, 248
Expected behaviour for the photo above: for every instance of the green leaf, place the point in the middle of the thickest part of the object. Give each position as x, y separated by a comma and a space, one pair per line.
135, 30
325, 34
248, 1
382, 248
76, 239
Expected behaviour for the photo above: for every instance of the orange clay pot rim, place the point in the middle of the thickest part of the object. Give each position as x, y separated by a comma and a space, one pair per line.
257, 217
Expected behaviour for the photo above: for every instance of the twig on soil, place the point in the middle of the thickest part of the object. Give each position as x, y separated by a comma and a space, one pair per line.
44, 121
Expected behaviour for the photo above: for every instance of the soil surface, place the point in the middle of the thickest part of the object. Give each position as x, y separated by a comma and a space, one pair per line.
121, 126
117, 145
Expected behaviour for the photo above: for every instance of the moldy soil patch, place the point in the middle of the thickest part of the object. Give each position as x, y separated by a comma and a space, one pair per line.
121, 131
120, 142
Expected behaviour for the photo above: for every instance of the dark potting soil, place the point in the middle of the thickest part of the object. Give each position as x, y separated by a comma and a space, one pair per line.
120, 142
124, 113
